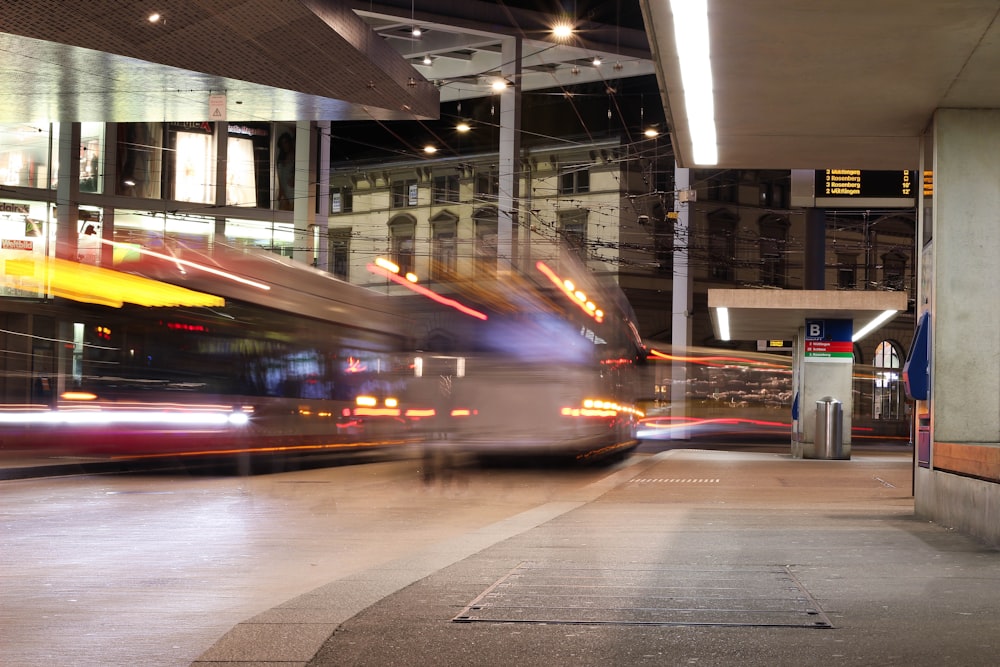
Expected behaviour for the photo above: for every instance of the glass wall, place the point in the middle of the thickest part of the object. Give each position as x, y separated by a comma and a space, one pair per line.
277, 237
157, 231
156, 162
24, 155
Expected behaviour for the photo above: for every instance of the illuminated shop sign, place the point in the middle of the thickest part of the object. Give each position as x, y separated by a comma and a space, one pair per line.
247, 131
18, 209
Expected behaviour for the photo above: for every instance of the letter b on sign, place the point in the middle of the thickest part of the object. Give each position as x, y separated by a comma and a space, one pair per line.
814, 329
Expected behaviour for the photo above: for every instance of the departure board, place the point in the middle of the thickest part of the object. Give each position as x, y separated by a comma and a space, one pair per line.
866, 184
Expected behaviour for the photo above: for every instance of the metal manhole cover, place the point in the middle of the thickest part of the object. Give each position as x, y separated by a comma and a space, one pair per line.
764, 596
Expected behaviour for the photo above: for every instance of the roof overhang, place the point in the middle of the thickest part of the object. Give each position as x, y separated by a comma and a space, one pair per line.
288, 60
762, 314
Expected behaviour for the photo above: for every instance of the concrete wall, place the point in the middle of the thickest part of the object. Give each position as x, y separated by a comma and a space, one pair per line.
969, 505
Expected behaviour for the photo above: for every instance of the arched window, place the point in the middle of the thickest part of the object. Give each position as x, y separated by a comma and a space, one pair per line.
485, 248
887, 397
402, 229
340, 252
444, 245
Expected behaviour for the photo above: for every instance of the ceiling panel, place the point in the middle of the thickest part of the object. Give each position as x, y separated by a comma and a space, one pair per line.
814, 85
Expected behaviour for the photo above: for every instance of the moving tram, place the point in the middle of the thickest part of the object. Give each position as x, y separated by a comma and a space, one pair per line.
189, 352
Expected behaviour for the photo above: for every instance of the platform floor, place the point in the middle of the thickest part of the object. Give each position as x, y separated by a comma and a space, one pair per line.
687, 557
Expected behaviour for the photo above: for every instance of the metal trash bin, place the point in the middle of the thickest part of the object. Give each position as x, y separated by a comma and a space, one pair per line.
829, 429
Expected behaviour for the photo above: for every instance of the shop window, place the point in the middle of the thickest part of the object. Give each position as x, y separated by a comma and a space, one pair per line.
140, 160
91, 154
91, 178
88, 240
445, 189
485, 250
402, 241
574, 180
404, 193
24, 225
247, 160
191, 162
241, 187
340, 252
24, 154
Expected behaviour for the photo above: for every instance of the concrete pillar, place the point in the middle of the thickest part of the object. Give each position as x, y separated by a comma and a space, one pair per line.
322, 237
965, 364
814, 274
680, 331
68, 192
509, 152
305, 191
798, 430
961, 489
221, 178
110, 167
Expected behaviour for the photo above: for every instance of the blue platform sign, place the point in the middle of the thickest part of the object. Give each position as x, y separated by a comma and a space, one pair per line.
829, 341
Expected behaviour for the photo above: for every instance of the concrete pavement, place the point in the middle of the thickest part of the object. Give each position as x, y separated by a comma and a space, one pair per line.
688, 557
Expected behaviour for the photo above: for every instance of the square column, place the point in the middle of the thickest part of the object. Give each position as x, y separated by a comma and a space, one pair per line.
965, 299
961, 486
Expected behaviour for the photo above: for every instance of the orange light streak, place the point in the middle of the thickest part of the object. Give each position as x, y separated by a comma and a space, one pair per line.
708, 360
576, 296
420, 289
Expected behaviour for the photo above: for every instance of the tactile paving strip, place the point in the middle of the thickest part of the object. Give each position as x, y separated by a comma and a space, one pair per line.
761, 596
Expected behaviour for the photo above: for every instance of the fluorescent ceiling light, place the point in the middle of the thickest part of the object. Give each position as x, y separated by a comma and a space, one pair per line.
871, 326
691, 37
722, 314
